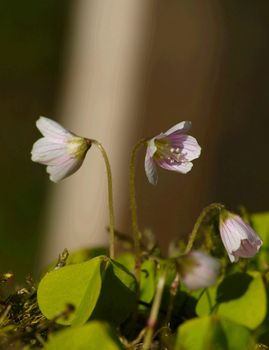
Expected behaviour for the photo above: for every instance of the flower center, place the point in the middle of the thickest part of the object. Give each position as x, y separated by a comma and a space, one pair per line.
165, 151
77, 147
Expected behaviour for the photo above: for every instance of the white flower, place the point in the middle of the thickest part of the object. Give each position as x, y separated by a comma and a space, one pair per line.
62, 151
173, 150
239, 239
198, 270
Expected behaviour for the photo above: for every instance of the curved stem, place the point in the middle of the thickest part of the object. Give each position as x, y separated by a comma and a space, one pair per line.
135, 228
110, 199
201, 218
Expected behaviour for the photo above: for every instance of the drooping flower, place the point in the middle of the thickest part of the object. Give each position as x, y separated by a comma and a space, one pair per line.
239, 239
173, 150
62, 151
198, 270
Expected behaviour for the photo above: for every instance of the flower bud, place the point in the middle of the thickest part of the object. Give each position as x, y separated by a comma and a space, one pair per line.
198, 270
239, 239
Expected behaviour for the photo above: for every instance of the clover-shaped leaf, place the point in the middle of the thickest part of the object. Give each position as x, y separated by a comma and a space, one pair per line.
91, 287
94, 335
213, 332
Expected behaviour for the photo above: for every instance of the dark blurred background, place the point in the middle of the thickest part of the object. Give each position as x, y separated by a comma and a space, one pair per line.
31, 36
206, 62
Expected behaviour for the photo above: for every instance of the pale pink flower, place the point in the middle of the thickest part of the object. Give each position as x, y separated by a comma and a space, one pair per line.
198, 270
173, 150
239, 239
62, 151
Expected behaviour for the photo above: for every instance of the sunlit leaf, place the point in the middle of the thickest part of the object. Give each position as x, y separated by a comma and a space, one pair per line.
93, 335
260, 222
79, 256
240, 297
213, 332
99, 287
206, 301
78, 285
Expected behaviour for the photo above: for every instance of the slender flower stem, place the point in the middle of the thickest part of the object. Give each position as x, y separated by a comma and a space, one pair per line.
212, 207
173, 292
135, 228
110, 199
153, 317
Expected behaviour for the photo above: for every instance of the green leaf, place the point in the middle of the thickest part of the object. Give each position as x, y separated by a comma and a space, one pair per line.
260, 223
83, 255
213, 332
148, 281
79, 256
93, 335
127, 260
148, 275
99, 287
78, 284
118, 295
206, 301
242, 298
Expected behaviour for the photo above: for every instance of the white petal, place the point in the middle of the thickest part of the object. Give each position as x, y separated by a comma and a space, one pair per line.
229, 236
150, 168
151, 149
45, 151
60, 171
52, 129
233, 258
247, 231
239, 239
182, 126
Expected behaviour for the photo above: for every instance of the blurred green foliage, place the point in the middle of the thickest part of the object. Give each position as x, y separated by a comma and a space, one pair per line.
86, 287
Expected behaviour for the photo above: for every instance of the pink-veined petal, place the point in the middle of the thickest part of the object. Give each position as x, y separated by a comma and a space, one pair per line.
187, 145
183, 167
238, 238
52, 129
60, 171
230, 238
180, 127
246, 249
45, 151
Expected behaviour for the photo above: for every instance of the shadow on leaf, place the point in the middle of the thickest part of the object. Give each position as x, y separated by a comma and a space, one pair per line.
233, 287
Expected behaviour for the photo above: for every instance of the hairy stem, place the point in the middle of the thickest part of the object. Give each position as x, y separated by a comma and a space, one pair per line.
135, 228
212, 207
110, 199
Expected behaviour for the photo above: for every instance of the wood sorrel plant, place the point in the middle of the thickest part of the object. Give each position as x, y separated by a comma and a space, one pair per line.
140, 299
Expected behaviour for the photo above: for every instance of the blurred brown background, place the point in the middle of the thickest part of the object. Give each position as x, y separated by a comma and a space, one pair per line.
120, 72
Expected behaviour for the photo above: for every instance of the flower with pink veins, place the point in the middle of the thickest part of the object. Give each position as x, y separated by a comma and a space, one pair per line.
62, 151
198, 270
238, 238
173, 150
